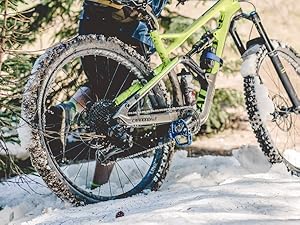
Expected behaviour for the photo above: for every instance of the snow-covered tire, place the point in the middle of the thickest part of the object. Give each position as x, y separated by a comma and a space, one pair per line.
31, 110
252, 60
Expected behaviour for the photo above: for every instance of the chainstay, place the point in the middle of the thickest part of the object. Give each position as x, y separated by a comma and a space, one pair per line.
161, 110
172, 142
194, 124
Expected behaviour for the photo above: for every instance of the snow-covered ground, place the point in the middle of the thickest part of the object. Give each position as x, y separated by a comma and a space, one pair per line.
242, 189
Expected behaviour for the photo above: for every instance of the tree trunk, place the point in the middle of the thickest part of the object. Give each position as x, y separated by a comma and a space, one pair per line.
1, 54
3, 34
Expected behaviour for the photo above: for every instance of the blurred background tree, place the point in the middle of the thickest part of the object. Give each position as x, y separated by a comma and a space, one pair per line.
22, 23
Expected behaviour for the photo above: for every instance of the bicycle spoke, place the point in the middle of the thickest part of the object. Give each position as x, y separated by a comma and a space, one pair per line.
87, 169
70, 149
138, 168
123, 84
125, 174
119, 179
109, 182
78, 172
113, 77
76, 156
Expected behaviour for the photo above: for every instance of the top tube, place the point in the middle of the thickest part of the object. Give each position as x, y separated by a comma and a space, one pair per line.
225, 7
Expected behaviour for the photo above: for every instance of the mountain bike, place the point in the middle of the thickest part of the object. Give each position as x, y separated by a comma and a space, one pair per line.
131, 128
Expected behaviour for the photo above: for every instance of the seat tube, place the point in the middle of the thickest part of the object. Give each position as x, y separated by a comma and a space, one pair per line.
159, 47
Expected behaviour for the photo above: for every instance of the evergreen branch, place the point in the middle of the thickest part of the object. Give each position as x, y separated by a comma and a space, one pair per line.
3, 34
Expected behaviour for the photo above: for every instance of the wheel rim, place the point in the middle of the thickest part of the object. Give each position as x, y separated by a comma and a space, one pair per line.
128, 176
280, 121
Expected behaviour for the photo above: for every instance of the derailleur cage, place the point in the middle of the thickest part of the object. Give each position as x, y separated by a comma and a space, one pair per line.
180, 132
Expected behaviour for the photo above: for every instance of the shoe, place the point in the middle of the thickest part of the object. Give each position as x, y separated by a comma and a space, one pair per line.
58, 121
94, 185
60, 116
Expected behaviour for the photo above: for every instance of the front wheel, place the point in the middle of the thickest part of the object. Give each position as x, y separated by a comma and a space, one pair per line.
69, 157
274, 119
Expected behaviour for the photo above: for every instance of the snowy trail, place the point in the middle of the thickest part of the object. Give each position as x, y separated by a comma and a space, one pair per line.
242, 189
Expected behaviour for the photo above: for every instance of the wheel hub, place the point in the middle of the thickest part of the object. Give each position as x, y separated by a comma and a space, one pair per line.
282, 115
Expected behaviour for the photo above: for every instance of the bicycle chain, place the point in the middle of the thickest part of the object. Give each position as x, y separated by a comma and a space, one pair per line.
172, 142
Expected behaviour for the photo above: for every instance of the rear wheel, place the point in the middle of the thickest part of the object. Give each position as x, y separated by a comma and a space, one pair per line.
69, 158
274, 120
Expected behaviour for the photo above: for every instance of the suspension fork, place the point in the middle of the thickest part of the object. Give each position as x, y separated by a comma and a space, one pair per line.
276, 61
273, 54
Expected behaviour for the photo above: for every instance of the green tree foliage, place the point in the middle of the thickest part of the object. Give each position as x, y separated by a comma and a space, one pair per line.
21, 24
18, 29
221, 114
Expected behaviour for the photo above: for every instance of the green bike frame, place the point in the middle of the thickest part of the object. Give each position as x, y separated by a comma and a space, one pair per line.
224, 10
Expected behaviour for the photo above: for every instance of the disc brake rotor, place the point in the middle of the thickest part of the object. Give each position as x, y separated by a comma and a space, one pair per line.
282, 115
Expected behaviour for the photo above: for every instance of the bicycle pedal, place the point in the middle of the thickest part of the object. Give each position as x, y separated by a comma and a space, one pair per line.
180, 132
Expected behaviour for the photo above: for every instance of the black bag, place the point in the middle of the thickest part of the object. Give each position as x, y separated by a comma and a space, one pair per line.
119, 12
